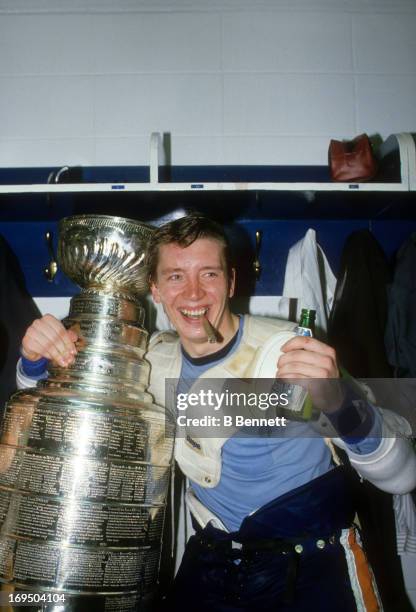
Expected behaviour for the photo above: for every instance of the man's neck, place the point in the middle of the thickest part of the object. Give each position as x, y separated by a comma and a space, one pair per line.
204, 348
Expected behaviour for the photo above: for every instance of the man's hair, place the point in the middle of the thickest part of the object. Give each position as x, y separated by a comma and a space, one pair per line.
185, 231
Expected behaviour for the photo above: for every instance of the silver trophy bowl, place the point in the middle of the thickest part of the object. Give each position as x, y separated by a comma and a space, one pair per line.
104, 253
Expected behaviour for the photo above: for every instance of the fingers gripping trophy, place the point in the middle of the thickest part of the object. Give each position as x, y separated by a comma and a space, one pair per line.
85, 456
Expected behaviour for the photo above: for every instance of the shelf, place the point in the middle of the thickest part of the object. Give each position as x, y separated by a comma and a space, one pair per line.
185, 187
161, 178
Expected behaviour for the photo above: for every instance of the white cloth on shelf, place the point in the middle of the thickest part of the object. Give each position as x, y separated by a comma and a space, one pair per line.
269, 306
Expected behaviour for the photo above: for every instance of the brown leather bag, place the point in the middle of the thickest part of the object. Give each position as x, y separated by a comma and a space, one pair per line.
352, 160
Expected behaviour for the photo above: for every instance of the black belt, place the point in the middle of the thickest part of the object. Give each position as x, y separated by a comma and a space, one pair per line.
234, 550
278, 545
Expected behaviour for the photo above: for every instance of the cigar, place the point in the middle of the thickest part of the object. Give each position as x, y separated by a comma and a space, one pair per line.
209, 330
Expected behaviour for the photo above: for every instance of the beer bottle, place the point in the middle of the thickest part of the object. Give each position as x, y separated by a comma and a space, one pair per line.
300, 407
306, 325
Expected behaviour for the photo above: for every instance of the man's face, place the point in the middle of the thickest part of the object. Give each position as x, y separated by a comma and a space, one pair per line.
191, 283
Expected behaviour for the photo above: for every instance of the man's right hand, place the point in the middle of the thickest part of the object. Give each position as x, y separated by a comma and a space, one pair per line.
47, 337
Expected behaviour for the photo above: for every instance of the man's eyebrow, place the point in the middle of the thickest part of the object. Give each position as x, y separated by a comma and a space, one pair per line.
166, 271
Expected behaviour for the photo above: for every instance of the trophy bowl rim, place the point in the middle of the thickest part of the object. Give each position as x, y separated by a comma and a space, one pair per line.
90, 230
73, 220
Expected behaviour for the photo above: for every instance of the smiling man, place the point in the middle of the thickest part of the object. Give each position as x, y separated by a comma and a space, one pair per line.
194, 281
273, 517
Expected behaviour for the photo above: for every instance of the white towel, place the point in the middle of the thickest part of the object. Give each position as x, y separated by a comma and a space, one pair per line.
309, 279
405, 515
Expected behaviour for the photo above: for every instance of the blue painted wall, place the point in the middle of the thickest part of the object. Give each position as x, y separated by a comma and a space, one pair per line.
282, 217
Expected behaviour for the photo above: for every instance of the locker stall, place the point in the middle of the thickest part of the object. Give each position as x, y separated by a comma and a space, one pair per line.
280, 202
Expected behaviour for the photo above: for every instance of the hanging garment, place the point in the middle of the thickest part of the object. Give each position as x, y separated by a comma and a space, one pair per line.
17, 311
405, 513
401, 325
400, 340
356, 330
359, 315
309, 279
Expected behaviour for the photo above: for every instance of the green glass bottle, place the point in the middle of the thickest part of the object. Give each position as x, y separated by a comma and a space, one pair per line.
300, 406
306, 326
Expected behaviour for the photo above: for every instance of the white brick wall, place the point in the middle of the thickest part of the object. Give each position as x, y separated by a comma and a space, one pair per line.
259, 82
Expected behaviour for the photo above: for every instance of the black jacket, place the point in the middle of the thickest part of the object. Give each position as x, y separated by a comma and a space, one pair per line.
401, 324
359, 314
17, 311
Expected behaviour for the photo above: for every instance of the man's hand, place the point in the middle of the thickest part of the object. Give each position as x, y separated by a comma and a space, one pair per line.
305, 359
47, 337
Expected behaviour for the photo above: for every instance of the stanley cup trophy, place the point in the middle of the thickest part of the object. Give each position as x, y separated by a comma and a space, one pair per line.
85, 456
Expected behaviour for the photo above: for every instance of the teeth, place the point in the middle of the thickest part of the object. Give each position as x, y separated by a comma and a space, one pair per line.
194, 313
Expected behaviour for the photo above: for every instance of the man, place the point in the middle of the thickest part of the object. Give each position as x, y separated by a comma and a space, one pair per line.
272, 515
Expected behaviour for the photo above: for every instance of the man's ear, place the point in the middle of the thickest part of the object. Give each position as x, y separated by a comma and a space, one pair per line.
232, 283
155, 293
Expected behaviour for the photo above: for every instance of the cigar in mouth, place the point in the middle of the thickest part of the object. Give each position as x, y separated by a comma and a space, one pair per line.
209, 330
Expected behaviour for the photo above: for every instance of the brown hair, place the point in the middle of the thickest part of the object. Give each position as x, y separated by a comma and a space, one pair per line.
185, 231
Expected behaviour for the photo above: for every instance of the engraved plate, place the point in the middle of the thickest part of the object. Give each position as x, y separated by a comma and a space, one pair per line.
113, 335
90, 362
86, 478
95, 387
65, 429
82, 569
89, 306
35, 517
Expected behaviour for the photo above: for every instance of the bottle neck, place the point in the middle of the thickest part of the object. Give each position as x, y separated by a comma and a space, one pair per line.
307, 320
